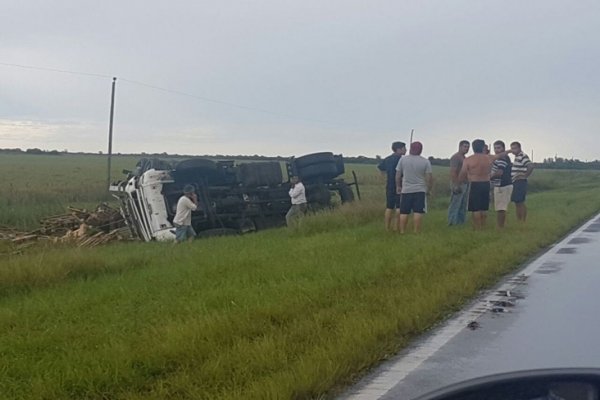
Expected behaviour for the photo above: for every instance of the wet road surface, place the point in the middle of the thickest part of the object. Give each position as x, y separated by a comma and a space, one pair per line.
546, 315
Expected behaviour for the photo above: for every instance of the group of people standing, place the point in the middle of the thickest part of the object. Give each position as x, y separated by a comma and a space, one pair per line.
409, 182
474, 177
474, 180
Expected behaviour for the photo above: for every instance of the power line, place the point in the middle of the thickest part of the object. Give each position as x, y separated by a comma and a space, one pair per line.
173, 91
62, 71
226, 103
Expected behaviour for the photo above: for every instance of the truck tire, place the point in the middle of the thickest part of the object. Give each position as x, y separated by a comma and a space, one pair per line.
315, 158
197, 170
326, 171
196, 163
346, 193
318, 194
339, 162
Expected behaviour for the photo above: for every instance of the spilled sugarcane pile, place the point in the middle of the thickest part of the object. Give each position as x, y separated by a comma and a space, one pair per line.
78, 226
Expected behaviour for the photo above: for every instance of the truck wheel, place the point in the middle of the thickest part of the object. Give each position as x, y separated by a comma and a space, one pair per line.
315, 158
318, 195
193, 169
196, 163
346, 194
327, 170
339, 162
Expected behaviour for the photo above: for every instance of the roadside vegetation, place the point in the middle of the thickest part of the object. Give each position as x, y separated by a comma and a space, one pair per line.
285, 313
37, 186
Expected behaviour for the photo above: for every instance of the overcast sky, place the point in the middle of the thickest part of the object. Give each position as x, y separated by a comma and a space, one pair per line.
339, 75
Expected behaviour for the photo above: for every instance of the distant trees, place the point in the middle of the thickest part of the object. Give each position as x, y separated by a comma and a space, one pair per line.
33, 151
11, 151
565, 163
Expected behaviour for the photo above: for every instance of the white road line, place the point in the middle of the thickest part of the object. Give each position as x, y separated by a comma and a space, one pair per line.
414, 357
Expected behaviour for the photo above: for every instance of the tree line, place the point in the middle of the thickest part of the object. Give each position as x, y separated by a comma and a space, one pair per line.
548, 163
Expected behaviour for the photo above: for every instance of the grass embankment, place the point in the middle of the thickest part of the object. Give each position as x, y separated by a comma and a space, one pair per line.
274, 315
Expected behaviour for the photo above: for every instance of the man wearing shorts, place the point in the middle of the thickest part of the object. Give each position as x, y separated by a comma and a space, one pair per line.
388, 167
476, 169
521, 170
502, 183
414, 180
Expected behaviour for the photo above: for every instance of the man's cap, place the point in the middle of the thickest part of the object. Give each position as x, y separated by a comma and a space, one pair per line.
188, 189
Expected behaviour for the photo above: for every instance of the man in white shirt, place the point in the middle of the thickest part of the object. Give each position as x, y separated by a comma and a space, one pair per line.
414, 181
298, 196
183, 217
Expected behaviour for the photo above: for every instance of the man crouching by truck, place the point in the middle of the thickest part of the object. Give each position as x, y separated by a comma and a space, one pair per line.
183, 217
298, 197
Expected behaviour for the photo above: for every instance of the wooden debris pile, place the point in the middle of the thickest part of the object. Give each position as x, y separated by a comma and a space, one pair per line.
79, 226
8, 233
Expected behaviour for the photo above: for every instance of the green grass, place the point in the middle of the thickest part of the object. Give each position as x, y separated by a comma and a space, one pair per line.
280, 314
37, 186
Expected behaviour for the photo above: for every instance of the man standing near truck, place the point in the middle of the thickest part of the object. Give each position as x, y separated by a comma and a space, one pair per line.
298, 196
388, 167
183, 216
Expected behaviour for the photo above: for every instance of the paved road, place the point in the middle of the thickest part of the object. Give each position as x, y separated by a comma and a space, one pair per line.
549, 318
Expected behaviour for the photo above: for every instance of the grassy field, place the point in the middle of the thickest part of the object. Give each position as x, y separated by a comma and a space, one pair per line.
36, 186
273, 315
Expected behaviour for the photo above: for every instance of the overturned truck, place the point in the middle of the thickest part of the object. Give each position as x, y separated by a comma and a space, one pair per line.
233, 197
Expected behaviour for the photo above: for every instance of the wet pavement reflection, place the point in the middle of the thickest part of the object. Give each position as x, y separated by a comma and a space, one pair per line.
546, 316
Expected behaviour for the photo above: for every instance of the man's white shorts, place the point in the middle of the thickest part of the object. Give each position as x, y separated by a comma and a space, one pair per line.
502, 197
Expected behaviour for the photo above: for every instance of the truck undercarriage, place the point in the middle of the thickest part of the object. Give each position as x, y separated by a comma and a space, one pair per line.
233, 198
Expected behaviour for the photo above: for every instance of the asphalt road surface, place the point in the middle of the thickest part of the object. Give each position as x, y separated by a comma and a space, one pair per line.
545, 316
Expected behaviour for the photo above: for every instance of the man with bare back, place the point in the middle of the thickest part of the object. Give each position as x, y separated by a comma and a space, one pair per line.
477, 169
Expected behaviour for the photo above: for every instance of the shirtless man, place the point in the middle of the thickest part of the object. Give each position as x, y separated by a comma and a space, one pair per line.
477, 169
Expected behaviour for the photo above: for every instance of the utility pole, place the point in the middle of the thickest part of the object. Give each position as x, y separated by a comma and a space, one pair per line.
110, 129
412, 131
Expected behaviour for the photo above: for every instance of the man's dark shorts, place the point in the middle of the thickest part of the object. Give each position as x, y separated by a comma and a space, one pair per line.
392, 199
479, 196
412, 202
519, 191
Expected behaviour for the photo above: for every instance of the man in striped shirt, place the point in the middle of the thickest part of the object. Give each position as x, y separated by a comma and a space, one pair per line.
521, 170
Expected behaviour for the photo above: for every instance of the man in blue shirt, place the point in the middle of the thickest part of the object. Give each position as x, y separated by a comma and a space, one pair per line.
388, 167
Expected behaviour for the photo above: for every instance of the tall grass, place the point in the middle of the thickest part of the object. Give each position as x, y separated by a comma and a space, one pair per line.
282, 314
37, 186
